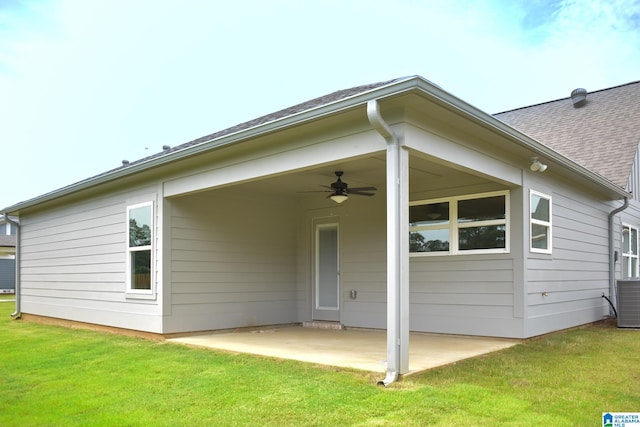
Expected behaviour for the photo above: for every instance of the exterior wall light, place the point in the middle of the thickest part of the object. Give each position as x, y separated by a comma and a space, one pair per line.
537, 166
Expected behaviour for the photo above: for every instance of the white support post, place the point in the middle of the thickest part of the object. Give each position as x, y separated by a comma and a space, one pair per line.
403, 232
398, 258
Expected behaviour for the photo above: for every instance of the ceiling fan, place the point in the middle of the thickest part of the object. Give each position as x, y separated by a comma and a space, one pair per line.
340, 190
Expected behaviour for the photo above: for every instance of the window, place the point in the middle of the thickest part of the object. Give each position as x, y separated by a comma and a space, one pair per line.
540, 222
139, 248
465, 224
7, 229
629, 251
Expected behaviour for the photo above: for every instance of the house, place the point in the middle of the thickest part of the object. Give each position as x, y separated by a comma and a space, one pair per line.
7, 255
512, 225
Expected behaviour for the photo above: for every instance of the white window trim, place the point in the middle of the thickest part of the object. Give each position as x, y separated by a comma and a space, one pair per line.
631, 255
454, 226
141, 293
548, 224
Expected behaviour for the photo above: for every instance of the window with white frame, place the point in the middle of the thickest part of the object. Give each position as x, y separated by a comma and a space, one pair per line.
464, 224
629, 251
7, 229
140, 248
540, 222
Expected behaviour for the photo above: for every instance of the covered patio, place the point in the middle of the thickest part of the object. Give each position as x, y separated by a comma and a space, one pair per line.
253, 241
361, 349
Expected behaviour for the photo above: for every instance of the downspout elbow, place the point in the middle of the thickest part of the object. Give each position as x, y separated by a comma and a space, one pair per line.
17, 313
391, 377
378, 123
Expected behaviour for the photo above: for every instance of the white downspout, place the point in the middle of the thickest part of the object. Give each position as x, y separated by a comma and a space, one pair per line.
17, 313
397, 248
612, 258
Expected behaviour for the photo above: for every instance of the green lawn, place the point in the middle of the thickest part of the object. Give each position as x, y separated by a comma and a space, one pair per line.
57, 377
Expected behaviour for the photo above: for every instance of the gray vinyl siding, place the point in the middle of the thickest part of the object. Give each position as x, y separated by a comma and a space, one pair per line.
73, 263
233, 262
7, 274
565, 289
363, 262
464, 294
461, 294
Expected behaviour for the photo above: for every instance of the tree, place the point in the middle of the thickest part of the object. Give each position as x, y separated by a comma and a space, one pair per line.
139, 236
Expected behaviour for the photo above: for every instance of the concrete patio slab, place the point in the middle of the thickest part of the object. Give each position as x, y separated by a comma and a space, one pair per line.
349, 348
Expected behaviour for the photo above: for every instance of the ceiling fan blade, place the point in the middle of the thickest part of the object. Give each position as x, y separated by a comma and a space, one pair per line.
359, 193
351, 190
328, 190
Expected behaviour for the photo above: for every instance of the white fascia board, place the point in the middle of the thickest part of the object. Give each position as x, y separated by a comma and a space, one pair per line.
540, 149
225, 140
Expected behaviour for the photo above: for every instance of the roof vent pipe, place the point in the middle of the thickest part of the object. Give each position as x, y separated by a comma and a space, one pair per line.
579, 97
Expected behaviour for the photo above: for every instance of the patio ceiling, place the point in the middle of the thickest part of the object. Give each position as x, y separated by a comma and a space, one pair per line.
363, 172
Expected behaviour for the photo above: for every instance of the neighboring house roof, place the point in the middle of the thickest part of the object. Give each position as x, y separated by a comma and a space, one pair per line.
7, 241
602, 135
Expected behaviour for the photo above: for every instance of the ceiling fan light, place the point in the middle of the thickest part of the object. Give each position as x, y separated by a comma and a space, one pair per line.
339, 198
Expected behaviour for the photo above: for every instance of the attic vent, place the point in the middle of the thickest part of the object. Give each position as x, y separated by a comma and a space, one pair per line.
579, 97
166, 147
125, 162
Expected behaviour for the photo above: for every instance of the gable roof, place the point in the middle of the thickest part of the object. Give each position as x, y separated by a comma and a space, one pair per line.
602, 135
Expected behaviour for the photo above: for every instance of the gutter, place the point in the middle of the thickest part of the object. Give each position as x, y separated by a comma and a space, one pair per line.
16, 314
612, 255
522, 139
395, 88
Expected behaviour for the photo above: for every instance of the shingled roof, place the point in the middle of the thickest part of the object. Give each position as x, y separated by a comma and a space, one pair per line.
290, 111
602, 135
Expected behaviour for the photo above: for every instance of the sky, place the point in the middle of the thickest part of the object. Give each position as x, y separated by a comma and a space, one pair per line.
85, 84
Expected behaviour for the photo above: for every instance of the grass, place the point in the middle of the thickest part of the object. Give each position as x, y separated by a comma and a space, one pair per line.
56, 376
